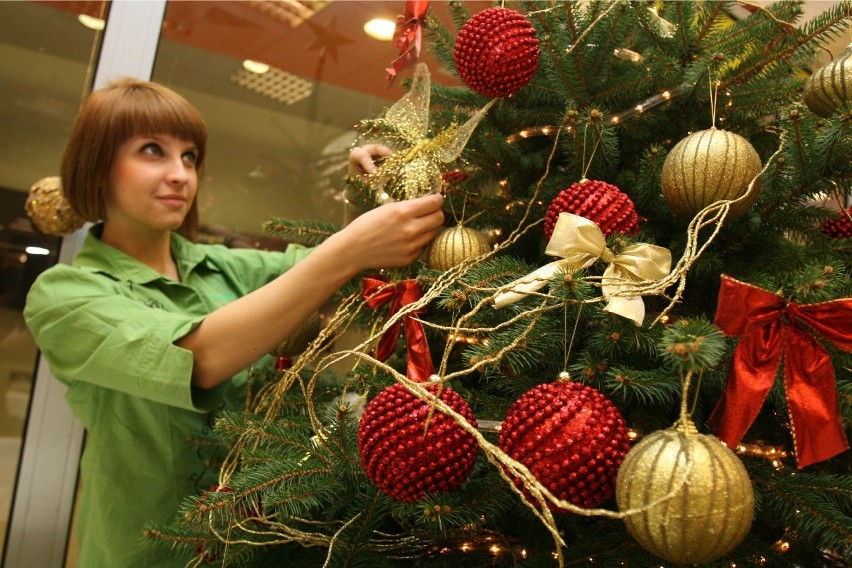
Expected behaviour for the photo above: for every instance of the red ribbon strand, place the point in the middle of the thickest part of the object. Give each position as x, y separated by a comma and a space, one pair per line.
379, 291
408, 37
773, 332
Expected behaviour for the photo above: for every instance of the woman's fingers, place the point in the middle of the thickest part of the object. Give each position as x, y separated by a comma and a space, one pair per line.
362, 158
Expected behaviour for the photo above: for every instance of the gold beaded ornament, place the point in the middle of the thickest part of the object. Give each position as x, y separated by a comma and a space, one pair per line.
48, 209
456, 245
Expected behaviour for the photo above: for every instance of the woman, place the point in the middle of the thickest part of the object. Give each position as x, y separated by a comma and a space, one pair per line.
151, 332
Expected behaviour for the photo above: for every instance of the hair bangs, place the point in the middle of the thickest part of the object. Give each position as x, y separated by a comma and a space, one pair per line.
154, 113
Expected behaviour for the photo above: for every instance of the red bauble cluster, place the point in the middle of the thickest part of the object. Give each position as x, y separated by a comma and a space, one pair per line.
603, 203
452, 180
571, 437
839, 226
403, 462
454, 177
496, 52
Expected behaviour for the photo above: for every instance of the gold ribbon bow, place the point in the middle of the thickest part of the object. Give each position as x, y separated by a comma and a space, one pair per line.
579, 243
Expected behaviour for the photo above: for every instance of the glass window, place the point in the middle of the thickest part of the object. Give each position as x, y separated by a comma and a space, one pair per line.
279, 140
46, 56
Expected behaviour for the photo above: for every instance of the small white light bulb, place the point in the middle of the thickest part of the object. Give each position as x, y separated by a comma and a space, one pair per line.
257, 67
381, 29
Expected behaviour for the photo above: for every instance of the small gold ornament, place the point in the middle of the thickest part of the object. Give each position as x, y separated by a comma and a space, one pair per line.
710, 502
299, 340
830, 87
709, 166
455, 245
48, 210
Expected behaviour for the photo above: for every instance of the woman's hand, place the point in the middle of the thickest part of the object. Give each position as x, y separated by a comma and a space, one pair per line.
392, 235
362, 159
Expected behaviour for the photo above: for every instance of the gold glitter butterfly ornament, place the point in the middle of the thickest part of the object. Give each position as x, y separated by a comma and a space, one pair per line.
414, 169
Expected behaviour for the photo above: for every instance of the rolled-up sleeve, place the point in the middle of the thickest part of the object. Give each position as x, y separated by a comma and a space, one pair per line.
89, 331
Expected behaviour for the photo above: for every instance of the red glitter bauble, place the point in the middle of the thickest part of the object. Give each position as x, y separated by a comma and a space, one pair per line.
839, 226
496, 52
403, 462
571, 438
603, 203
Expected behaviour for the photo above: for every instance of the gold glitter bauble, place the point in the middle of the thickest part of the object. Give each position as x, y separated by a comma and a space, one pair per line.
712, 506
455, 245
709, 166
48, 210
299, 340
830, 87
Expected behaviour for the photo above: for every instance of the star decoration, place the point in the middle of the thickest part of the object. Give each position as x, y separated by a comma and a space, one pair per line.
327, 39
415, 168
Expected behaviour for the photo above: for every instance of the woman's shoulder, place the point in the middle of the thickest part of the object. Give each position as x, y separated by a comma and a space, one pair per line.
65, 279
62, 271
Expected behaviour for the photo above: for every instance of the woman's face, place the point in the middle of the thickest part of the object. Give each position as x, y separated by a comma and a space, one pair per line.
153, 183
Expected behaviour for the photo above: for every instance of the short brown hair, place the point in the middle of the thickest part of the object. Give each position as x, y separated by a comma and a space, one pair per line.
124, 109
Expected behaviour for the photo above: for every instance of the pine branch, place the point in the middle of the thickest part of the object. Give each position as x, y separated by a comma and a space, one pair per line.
806, 503
308, 233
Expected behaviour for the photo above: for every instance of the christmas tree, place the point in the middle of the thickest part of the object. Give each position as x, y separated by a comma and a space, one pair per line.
632, 346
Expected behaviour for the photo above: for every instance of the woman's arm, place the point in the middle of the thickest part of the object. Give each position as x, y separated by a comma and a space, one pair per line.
390, 236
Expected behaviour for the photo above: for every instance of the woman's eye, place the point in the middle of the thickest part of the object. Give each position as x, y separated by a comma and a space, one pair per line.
190, 157
152, 148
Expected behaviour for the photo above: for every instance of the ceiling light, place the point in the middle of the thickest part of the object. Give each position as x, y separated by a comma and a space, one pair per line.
253, 66
380, 28
91, 22
37, 250
277, 85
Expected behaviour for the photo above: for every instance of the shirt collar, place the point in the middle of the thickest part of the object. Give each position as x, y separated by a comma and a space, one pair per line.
98, 256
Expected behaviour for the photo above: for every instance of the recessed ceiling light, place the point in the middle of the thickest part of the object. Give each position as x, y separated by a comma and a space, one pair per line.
91, 22
253, 66
277, 85
380, 28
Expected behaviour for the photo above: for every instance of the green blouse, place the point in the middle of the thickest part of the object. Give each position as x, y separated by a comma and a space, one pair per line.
107, 326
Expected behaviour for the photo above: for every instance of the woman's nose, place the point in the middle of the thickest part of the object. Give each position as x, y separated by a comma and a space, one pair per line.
178, 172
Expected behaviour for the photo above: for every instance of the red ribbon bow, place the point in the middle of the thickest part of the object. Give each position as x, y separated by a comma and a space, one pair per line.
408, 37
771, 330
378, 291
